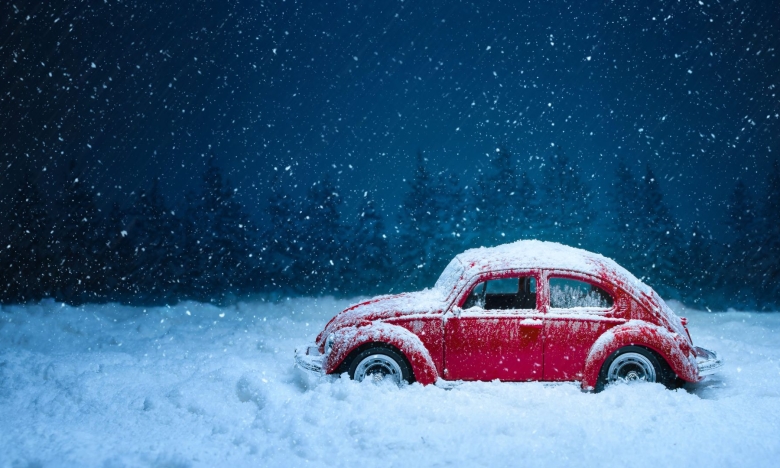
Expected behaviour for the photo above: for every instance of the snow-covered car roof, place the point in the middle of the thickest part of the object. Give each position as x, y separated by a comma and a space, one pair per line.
534, 254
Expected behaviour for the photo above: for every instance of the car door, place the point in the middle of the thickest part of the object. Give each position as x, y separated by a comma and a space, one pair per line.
496, 332
578, 311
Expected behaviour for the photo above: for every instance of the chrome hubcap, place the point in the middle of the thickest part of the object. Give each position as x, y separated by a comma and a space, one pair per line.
631, 367
378, 368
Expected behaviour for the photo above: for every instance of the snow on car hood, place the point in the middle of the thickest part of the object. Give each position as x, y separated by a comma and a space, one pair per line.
426, 301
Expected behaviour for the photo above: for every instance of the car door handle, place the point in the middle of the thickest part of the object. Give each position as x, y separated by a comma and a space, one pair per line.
532, 323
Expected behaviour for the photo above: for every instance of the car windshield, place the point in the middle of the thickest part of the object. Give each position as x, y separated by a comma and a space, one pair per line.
449, 277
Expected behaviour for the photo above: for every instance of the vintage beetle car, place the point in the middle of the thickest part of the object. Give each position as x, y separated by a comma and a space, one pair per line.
528, 310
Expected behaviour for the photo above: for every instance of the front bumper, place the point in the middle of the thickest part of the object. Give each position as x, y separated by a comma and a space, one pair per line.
309, 359
708, 361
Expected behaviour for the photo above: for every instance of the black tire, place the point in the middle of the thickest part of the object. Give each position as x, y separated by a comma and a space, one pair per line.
381, 361
631, 363
679, 382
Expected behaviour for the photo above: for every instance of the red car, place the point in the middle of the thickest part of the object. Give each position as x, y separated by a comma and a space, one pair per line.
524, 311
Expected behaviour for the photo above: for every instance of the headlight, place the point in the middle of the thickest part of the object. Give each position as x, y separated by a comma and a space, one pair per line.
329, 342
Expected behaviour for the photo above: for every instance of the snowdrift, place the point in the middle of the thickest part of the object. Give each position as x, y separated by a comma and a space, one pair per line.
197, 385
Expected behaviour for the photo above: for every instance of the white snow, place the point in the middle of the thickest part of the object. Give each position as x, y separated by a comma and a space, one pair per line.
122, 386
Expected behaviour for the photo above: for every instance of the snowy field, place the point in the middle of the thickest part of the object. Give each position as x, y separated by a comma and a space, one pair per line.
196, 385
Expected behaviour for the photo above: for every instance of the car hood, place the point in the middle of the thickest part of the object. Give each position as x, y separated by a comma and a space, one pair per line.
427, 301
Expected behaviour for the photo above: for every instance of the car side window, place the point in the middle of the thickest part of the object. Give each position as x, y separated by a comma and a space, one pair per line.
570, 294
503, 294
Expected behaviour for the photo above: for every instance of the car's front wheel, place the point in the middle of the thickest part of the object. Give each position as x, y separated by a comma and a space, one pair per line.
380, 363
635, 364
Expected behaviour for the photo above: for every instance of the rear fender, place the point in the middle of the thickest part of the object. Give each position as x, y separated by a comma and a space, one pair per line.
350, 338
671, 347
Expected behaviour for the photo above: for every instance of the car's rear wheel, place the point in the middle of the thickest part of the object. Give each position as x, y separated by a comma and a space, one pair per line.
380, 363
635, 364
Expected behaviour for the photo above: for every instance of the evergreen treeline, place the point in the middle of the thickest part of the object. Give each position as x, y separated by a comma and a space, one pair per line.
211, 249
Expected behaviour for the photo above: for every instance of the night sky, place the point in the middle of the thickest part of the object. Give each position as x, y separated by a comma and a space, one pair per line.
134, 90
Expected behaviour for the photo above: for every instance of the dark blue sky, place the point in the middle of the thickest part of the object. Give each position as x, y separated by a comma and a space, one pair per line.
138, 89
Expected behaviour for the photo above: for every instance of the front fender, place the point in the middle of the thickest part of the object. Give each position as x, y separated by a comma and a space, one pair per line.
670, 346
350, 338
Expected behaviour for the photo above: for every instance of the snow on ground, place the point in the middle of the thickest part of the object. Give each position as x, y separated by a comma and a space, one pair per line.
197, 385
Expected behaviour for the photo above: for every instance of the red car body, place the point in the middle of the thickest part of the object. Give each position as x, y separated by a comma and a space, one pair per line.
442, 340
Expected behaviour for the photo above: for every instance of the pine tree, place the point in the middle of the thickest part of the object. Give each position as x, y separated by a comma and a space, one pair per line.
660, 241
368, 257
769, 253
221, 239
624, 237
115, 256
526, 195
697, 269
569, 215
741, 257
321, 242
176, 267
150, 229
195, 251
447, 211
25, 251
282, 235
76, 233
508, 198
496, 184
417, 230
466, 216
228, 237
242, 234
